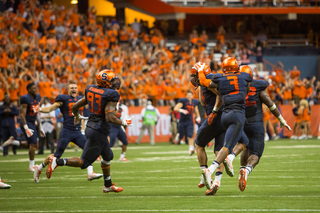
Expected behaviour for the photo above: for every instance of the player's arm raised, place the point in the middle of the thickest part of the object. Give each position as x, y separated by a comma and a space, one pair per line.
111, 115
265, 98
75, 110
51, 108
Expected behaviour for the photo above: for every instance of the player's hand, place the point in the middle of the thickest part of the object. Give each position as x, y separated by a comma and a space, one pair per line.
36, 108
184, 111
198, 120
77, 119
29, 132
285, 125
212, 115
127, 121
199, 66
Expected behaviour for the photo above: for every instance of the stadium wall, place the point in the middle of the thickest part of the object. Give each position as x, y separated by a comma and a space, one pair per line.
162, 129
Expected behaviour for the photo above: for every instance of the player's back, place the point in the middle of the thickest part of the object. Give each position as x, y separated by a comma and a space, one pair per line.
32, 106
66, 110
254, 111
232, 89
97, 98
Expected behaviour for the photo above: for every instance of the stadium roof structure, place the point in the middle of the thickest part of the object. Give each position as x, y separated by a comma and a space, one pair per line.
162, 10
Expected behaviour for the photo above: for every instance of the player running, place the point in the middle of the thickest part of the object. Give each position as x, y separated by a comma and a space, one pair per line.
102, 100
187, 106
69, 132
29, 115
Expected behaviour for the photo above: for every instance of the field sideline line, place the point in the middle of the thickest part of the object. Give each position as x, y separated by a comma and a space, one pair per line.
175, 210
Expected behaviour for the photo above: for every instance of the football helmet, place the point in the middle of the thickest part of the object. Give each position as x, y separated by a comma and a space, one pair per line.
246, 69
230, 65
108, 79
194, 73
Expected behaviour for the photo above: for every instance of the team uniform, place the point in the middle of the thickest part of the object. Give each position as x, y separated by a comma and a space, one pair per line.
232, 89
98, 128
254, 127
69, 132
207, 131
31, 116
186, 126
117, 131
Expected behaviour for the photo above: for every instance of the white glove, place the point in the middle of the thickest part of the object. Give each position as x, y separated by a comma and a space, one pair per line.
198, 120
127, 121
184, 111
285, 125
199, 66
29, 132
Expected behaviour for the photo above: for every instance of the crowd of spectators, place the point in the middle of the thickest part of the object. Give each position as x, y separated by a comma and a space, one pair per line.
50, 44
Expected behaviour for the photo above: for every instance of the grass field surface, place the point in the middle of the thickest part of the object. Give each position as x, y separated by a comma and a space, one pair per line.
163, 178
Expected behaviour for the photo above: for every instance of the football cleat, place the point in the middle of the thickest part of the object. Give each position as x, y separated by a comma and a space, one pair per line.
8, 142
123, 159
94, 176
4, 185
52, 166
214, 189
242, 179
31, 169
201, 184
207, 178
112, 188
228, 165
36, 174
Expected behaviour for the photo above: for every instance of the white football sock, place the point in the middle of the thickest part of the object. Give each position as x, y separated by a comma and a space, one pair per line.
213, 167
218, 178
90, 169
122, 155
231, 157
31, 163
16, 143
191, 147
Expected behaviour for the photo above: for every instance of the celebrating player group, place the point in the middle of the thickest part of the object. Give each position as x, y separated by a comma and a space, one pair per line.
234, 118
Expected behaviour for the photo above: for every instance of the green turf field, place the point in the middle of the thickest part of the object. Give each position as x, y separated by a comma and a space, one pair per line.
164, 178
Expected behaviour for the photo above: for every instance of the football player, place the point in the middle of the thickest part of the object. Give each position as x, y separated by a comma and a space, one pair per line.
29, 115
69, 132
187, 106
253, 128
102, 100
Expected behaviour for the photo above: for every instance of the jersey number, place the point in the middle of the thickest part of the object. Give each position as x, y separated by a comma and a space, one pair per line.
251, 93
94, 101
70, 108
234, 81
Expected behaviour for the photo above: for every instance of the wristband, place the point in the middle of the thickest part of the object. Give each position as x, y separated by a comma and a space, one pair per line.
272, 107
25, 127
280, 118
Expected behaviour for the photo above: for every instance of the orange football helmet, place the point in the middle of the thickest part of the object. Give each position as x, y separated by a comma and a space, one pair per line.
246, 69
230, 65
108, 79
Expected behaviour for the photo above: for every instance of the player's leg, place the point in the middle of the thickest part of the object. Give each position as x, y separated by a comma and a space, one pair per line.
123, 138
114, 131
107, 156
189, 134
255, 150
32, 143
233, 121
238, 148
81, 141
